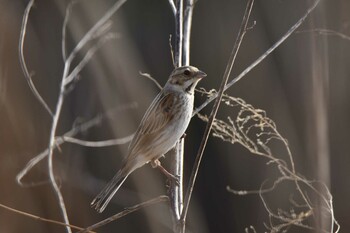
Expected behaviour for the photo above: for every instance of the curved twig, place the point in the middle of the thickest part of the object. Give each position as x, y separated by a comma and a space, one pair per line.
40, 218
22, 61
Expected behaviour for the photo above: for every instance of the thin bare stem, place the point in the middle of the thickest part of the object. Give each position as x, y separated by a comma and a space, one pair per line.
111, 142
178, 33
171, 52
260, 191
51, 147
177, 155
91, 34
262, 57
127, 211
90, 53
188, 12
325, 32
22, 61
60, 140
64, 28
40, 218
172, 6
214, 111
146, 75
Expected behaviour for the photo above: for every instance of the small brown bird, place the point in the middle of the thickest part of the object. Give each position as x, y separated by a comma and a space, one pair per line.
163, 124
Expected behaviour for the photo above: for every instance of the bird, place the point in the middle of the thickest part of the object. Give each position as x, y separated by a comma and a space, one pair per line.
163, 124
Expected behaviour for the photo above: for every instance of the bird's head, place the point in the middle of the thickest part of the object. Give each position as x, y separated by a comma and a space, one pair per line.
185, 78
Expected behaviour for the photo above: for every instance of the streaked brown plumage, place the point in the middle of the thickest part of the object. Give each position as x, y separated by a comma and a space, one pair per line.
163, 124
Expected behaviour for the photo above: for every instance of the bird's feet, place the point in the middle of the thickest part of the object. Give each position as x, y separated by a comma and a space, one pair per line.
172, 178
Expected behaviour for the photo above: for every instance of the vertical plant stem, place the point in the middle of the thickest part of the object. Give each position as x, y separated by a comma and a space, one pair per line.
22, 61
176, 190
56, 118
214, 111
177, 155
178, 32
188, 12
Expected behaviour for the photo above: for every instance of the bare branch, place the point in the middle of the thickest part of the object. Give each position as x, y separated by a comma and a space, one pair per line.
262, 57
146, 75
111, 142
214, 111
177, 155
172, 6
127, 211
64, 28
52, 145
22, 61
90, 53
91, 34
171, 51
59, 141
188, 12
325, 32
40, 218
260, 191
178, 33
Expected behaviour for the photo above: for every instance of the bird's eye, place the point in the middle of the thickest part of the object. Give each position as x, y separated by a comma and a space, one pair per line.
187, 72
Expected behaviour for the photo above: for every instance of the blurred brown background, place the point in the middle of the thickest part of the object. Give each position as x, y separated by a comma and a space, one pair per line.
303, 86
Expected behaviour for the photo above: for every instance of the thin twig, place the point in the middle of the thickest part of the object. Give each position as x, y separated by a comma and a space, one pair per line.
127, 211
261, 58
22, 61
260, 191
51, 147
59, 141
111, 142
172, 51
91, 34
40, 218
325, 32
188, 12
89, 54
146, 75
64, 28
172, 6
214, 111
178, 32
175, 191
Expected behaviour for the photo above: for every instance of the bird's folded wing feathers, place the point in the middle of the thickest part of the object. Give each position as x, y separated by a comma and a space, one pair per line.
157, 116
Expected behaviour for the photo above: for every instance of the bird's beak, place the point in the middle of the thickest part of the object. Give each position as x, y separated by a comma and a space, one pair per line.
201, 74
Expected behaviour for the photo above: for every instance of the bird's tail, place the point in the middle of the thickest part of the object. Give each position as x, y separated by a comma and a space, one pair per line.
104, 197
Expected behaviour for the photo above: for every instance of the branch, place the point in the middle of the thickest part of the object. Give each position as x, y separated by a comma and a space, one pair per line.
178, 33
146, 75
40, 218
111, 142
242, 31
91, 34
261, 58
22, 61
325, 32
64, 28
60, 140
90, 53
125, 212
188, 12
172, 6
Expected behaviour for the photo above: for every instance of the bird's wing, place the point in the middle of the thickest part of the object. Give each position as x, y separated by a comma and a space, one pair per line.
156, 117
